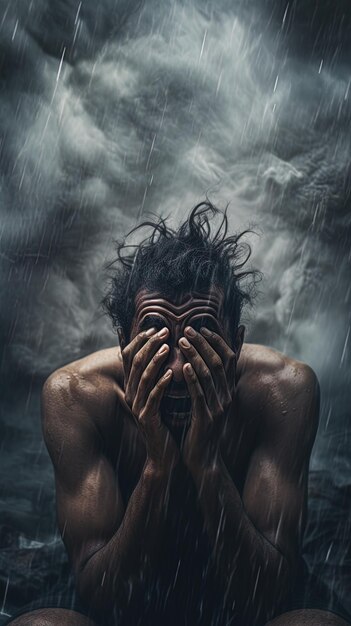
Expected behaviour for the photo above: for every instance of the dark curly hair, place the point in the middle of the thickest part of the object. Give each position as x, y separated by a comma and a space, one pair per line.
191, 258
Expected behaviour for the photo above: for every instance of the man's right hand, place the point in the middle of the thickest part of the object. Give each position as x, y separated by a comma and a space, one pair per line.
142, 360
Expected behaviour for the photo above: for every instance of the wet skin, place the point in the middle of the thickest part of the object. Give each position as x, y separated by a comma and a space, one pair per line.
209, 504
178, 320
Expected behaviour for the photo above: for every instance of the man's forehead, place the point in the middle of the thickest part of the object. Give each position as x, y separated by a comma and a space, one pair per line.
179, 303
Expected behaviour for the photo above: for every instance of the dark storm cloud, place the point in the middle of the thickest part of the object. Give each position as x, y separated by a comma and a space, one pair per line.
313, 28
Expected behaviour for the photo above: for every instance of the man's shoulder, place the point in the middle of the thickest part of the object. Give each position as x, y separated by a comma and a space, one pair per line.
276, 385
268, 366
91, 384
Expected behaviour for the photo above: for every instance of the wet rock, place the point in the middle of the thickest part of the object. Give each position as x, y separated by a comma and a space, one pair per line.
30, 570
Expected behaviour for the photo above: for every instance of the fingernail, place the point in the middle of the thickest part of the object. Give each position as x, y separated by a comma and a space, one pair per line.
168, 374
188, 368
163, 332
206, 332
184, 343
190, 331
150, 332
163, 349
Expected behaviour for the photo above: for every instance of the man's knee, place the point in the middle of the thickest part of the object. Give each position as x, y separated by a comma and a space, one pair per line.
308, 617
52, 617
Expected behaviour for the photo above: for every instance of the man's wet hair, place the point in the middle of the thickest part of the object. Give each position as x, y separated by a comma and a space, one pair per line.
193, 258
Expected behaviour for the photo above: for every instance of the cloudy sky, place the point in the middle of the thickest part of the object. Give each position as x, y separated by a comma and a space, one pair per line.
112, 109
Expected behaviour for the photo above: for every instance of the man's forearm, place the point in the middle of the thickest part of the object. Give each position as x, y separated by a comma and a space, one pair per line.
253, 573
108, 575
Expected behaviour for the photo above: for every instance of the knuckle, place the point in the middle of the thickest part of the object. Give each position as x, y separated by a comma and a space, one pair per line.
137, 361
217, 364
154, 339
125, 353
152, 396
158, 386
142, 421
142, 416
231, 358
190, 372
206, 375
143, 378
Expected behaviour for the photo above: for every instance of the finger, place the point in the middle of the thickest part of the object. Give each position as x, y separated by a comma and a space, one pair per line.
148, 378
203, 374
213, 362
133, 347
152, 406
140, 361
198, 400
227, 355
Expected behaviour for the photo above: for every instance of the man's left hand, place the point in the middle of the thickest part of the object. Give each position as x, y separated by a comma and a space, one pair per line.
210, 377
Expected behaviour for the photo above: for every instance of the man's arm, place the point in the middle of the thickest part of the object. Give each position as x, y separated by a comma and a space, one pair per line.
110, 544
256, 538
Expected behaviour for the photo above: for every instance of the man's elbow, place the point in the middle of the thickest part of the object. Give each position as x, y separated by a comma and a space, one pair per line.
271, 584
95, 589
106, 590
280, 582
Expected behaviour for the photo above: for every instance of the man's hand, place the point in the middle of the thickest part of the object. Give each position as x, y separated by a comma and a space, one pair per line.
210, 378
142, 361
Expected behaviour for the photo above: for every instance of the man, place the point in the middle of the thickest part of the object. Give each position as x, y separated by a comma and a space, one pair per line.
181, 458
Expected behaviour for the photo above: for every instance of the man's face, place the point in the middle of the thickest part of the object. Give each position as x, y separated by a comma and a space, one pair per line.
189, 309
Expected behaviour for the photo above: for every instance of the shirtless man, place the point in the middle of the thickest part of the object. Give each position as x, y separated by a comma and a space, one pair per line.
181, 457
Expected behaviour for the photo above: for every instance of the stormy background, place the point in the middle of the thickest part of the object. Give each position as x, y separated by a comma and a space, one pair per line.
112, 109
